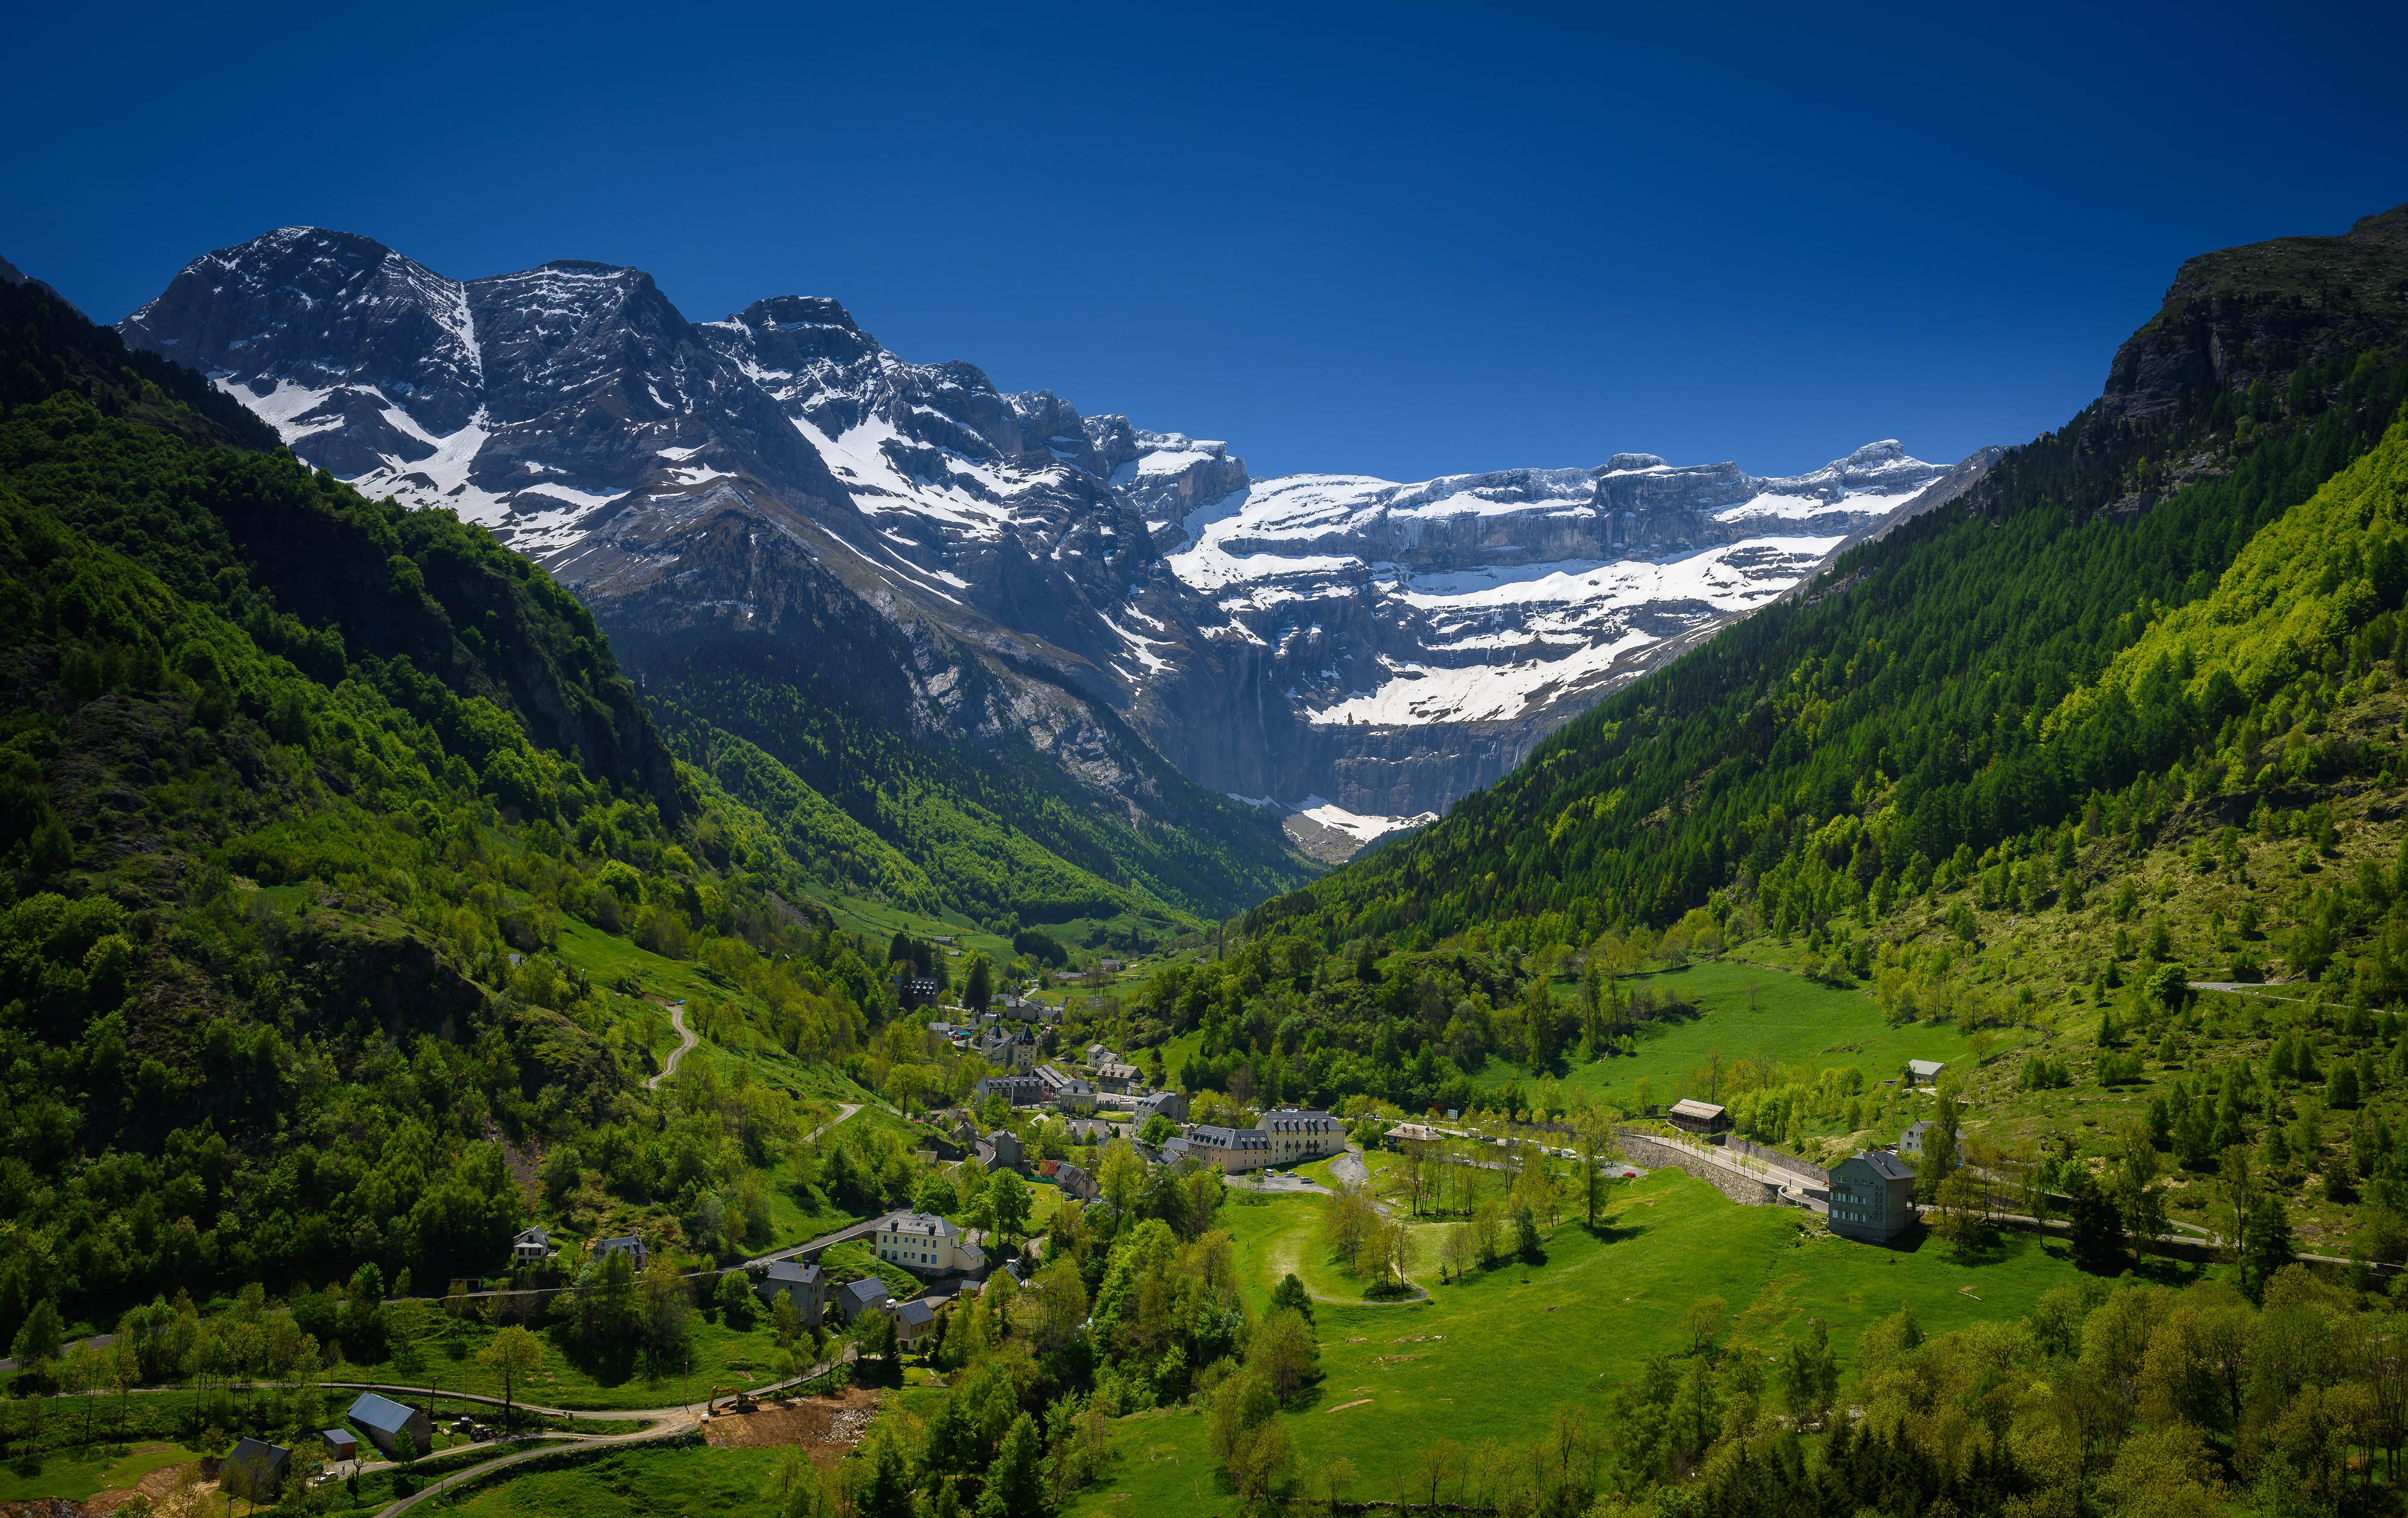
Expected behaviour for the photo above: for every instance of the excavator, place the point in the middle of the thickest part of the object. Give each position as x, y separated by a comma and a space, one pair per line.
740, 1400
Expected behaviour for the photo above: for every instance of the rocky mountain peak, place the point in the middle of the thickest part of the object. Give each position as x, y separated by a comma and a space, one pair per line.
1305, 640
799, 311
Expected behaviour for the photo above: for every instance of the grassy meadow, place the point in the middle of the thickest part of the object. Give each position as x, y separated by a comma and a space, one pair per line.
636, 1484
1748, 1011
1484, 1358
78, 1472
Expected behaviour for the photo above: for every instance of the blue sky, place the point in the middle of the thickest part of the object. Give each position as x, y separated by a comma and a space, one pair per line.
1395, 240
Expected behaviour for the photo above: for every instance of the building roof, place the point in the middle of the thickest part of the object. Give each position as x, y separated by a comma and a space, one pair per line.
1212, 1136
533, 1236
1886, 1165
789, 1270
379, 1413
1295, 1120
248, 1451
339, 1437
630, 1242
867, 1292
925, 1223
915, 1312
1927, 1067
1691, 1107
1414, 1132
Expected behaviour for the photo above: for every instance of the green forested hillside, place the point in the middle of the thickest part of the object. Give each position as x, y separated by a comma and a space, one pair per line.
296, 793
1907, 719
1000, 831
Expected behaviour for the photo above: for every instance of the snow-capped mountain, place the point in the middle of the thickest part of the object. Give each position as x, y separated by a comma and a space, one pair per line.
1492, 597
1353, 651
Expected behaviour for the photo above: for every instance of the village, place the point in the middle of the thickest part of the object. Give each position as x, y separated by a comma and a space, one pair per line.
887, 1280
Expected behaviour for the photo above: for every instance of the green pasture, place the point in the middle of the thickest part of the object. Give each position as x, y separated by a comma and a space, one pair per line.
1471, 1363
1750, 1011
636, 1484
722, 1357
77, 1473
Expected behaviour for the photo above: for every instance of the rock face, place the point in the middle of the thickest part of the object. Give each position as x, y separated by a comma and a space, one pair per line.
1425, 636
1355, 653
2241, 314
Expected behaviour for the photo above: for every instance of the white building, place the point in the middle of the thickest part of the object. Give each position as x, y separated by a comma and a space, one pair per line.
927, 1245
532, 1247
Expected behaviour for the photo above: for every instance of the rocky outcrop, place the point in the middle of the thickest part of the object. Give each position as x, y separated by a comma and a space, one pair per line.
2239, 315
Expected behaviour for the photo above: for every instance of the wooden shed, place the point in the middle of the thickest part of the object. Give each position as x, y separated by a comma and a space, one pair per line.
1694, 1116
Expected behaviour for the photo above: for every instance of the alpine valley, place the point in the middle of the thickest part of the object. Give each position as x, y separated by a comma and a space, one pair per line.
1113, 638
560, 858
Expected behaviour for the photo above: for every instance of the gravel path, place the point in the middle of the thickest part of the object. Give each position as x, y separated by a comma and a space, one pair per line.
686, 1040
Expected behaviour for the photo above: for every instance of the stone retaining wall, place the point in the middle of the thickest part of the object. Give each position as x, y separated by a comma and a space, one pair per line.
1657, 1153
1778, 1160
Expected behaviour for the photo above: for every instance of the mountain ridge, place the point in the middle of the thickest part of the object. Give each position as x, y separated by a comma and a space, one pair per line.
650, 463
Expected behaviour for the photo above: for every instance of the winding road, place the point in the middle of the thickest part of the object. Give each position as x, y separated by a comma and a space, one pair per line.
686, 1040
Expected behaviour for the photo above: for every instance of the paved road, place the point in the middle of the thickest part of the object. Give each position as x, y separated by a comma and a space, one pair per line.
859, 1230
686, 1040
843, 1111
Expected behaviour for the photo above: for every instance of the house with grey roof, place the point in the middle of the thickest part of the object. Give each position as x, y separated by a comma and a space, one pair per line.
384, 1421
254, 1471
912, 1321
800, 1281
339, 1443
628, 1244
1170, 1104
855, 1297
1910, 1142
1873, 1196
1065, 1092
